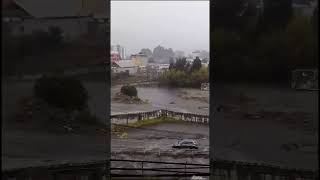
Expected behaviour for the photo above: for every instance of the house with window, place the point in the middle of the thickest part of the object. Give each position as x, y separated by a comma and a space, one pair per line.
73, 17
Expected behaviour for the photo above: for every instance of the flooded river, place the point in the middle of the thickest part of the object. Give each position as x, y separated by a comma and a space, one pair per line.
175, 99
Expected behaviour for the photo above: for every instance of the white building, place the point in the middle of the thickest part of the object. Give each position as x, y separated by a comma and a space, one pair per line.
124, 66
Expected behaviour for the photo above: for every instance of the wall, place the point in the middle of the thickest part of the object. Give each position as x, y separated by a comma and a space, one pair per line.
134, 117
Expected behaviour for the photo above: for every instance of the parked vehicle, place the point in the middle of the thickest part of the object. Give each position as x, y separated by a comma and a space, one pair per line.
186, 144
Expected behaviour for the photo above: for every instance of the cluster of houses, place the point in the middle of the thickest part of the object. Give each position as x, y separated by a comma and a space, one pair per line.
138, 64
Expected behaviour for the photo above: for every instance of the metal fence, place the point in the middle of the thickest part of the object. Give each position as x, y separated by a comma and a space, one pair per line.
133, 117
219, 169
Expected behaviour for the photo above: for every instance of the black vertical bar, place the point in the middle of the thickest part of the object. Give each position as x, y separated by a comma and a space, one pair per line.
211, 98
108, 91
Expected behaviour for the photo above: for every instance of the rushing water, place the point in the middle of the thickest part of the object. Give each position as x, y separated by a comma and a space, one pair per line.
164, 98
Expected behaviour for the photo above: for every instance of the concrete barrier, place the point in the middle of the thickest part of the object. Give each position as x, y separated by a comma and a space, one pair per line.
134, 117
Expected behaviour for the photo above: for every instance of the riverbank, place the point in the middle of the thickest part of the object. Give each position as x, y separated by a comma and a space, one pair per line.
165, 98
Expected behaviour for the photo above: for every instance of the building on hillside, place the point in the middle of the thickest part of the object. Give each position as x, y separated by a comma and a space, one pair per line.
139, 59
73, 17
124, 66
154, 70
120, 50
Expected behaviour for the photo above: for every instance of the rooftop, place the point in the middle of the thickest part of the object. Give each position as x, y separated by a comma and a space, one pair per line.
125, 63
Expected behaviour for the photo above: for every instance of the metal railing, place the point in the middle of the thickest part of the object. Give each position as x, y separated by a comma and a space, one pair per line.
132, 169
133, 117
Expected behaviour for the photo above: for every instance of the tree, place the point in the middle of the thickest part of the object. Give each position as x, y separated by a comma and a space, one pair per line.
200, 76
147, 52
162, 54
150, 60
171, 66
180, 64
129, 90
188, 67
62, 92
196, 65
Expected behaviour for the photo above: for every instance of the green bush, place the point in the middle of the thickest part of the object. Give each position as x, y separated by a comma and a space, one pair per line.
129, 90
178, 78
62, 92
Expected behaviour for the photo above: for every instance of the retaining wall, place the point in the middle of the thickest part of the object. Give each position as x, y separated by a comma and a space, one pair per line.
134, 117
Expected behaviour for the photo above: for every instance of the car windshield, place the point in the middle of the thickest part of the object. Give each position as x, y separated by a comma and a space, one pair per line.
187, 142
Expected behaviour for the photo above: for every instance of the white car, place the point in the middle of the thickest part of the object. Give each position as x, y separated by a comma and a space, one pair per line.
187, 144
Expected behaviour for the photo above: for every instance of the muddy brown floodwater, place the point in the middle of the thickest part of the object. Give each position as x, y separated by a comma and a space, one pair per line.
175, 99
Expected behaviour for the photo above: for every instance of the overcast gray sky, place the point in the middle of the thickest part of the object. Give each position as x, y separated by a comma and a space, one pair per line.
180, 25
